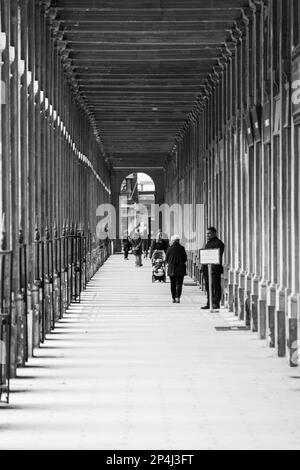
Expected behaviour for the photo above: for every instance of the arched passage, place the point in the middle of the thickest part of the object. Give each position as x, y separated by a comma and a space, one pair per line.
137, 196
119, 176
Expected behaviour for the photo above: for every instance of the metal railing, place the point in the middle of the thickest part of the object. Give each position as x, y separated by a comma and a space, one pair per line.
35, 295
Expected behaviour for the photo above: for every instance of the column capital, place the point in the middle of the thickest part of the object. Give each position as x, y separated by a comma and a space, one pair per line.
227, 53
252, 7
246, 16
45, 5
55, 30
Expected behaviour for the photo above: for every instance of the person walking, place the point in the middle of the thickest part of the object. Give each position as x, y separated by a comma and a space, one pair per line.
176, 258
159, 244
126, 245
212, 243
137, 248
146, 246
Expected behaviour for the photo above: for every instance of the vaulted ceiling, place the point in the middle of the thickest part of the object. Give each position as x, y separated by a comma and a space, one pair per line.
140, 66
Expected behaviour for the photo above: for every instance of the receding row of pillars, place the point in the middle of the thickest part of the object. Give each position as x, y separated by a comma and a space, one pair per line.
53, 177
239, 157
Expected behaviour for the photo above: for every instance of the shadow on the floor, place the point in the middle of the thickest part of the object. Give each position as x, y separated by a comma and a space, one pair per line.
28, 377
37, 366
58, 332
48, 357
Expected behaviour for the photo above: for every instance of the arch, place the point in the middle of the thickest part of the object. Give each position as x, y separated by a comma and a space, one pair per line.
136, 198
119, 175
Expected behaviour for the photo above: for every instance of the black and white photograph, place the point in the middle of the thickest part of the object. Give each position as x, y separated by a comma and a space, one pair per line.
149, 228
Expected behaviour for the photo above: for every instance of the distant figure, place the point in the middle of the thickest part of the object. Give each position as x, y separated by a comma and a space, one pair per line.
146, 246
217, 270
145, 237
159, 244
137, 247
126, 245
176, 259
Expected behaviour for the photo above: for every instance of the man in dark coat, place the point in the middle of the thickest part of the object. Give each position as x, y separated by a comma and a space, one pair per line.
176, 259
213, 242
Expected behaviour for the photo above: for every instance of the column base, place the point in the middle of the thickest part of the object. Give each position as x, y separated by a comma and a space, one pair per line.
241, 299
231, 297
254, 303
280, 333
293, 343
236, 303
21, 339
29, 323
241, 295
271, 306
262, 319
262, 310
271, 326
280, 322
254, 313
14, 341
248, 288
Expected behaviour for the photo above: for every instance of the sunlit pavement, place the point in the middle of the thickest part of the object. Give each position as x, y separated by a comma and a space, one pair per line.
128, 369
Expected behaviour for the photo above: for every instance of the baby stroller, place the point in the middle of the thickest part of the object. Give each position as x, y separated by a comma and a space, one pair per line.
159, 266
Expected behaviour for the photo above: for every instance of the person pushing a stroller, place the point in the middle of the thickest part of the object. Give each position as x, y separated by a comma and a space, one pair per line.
158, 266
158, 251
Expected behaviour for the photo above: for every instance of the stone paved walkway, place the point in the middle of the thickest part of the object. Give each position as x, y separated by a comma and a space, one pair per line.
127, 369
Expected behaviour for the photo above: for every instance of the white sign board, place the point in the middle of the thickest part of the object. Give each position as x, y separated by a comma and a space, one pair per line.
210, 256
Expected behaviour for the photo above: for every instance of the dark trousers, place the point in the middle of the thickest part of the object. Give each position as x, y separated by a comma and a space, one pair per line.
176, 286
138, 260
216, 289
126, 253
